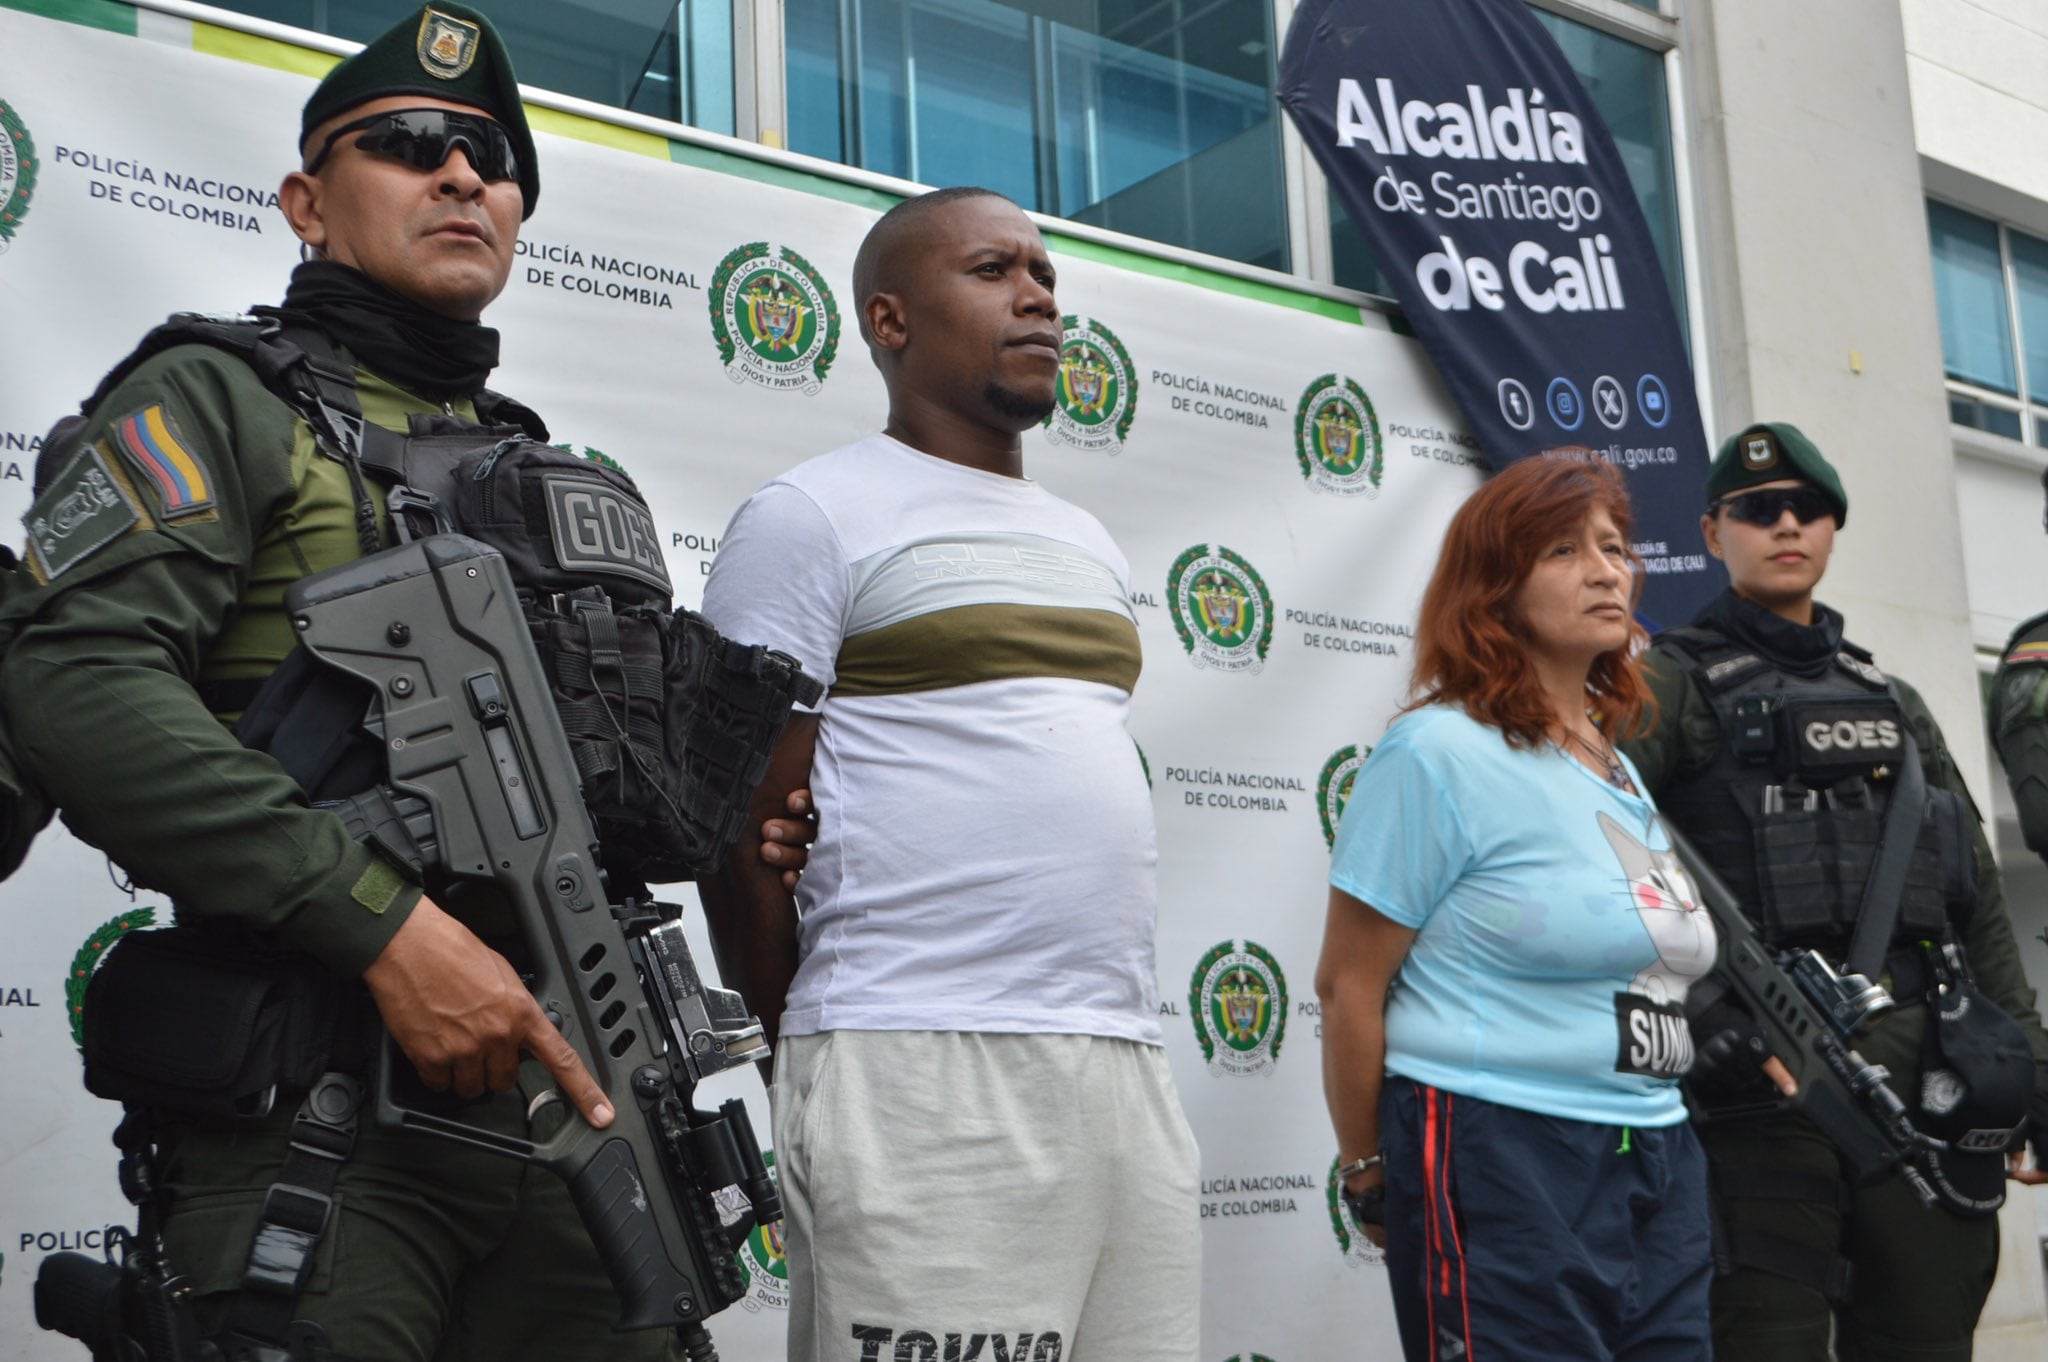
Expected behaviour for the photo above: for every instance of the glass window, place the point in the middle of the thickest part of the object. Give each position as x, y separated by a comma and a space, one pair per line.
2030, 286
658, 57
1152, 117
1352, 264
811, 61
1626, 83
1978, 414
1991, 294
1970, 298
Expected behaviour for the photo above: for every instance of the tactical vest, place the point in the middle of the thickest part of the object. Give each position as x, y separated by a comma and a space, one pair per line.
671, 725
1790, 811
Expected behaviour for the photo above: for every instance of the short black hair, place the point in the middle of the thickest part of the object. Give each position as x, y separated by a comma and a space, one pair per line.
878, 264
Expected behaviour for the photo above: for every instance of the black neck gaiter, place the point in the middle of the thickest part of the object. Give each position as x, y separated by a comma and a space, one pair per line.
390, 334
1802, 649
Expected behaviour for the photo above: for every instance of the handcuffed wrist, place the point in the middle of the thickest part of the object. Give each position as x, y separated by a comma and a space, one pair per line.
1357, 1166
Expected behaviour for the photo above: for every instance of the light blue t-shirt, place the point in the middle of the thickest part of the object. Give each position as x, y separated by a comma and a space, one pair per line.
1556, 932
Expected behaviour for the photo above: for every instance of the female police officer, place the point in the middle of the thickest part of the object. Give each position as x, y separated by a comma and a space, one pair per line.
1777, 750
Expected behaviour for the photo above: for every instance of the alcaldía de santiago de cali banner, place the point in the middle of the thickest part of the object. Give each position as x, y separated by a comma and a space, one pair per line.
1277, 468
1488, 187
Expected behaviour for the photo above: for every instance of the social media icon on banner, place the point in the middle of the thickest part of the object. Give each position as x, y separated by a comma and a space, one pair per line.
1516, 405
1566, 407
1610, 403
1653, 400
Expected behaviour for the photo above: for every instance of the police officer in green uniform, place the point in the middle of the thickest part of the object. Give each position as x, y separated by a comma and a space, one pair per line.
2019, 723
165, 536
1771, 751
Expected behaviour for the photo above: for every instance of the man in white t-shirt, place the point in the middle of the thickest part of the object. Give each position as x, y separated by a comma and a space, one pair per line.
980, 1148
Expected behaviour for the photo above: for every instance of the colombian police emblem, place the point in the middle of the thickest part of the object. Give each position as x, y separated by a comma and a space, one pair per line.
447, 45
1238, 1001
1333, 786
762, 1264
1096, 397
774, 319
1221, 609
1358, 1250
17, 172
88, 959
1337, 437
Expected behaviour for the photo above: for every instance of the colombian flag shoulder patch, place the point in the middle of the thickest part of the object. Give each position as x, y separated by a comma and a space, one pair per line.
2035, 654
149, 443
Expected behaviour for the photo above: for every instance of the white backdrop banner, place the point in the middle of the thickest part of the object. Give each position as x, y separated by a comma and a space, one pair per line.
1278, 470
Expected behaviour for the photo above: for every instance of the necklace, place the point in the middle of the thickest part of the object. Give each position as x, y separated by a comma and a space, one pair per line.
1608, 761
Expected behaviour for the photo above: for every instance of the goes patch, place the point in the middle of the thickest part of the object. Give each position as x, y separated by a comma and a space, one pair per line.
88, 505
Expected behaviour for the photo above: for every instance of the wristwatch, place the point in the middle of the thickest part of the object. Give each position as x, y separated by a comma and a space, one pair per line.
1368, 1207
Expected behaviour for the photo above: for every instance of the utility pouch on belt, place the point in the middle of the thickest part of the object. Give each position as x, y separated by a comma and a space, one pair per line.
189, 1021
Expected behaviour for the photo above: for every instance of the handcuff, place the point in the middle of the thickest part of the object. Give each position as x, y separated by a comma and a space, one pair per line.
1368, 1207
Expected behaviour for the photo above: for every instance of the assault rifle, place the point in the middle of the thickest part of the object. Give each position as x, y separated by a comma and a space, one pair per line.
1810, 1016
482, 787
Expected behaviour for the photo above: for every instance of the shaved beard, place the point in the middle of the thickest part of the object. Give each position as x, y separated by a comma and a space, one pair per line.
1017, 406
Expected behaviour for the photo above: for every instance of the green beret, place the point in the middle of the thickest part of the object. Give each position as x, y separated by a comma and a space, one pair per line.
446, 51
1772, 451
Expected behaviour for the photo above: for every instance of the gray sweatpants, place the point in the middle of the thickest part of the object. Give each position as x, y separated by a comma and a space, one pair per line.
975, 1197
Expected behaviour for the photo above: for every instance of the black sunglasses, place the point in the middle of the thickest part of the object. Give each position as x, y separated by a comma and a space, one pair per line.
423, 138
1765, 505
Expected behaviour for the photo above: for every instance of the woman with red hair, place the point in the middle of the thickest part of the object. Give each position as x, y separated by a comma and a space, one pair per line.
1506, 957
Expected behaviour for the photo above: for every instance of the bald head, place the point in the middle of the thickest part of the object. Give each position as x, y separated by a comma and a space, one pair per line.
957, 308
892, 248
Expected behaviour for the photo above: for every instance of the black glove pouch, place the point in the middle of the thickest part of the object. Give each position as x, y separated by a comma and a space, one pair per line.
1976, 1078
2037, 1115
193, 1021
727, 704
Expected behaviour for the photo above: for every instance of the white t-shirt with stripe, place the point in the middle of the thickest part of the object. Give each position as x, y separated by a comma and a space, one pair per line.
986, 858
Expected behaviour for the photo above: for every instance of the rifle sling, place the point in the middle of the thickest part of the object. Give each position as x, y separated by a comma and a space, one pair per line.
1883, 892
297, 1211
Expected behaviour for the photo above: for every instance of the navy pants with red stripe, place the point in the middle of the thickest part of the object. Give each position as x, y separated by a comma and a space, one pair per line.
1517, 1237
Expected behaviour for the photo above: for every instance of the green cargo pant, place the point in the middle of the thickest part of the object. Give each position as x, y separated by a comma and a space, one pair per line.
1918, 1277
434, 1252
